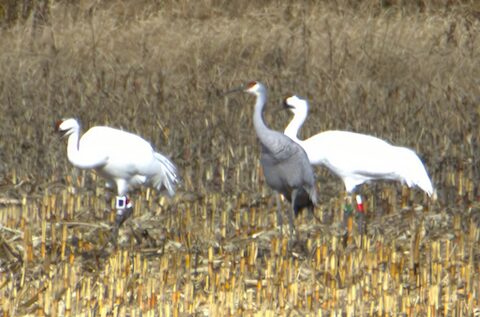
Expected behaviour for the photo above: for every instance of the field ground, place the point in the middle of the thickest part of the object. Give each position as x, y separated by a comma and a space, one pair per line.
407, 74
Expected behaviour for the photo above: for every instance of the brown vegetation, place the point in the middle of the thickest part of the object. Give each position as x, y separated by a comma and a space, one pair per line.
405, 73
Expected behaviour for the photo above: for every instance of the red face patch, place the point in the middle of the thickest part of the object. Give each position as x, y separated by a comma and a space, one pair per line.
57, 125
251, 84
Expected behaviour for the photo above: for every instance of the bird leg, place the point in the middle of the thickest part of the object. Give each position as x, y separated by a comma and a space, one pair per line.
279, 214
291, 213
124, 210
360, 214
348, 208
347, 214
360, 208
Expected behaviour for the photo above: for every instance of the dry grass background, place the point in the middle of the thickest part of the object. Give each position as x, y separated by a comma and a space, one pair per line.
407, 73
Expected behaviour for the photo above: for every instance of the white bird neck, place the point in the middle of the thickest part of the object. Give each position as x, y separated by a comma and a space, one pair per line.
294, 126
73, 152
82, 159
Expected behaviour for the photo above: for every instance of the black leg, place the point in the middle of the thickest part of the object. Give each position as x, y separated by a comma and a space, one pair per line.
292, 212
279, 214
124, 210
360, 215
347, 209
122, 215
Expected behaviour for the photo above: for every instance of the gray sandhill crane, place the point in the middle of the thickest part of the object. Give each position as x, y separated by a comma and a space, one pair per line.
285, 164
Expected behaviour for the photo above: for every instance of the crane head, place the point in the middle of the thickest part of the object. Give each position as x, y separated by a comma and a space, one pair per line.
295, 104
252, 87
286, 104
66, 126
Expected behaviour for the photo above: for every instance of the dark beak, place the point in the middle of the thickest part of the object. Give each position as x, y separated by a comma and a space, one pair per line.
231, 91
285, 105
57, 128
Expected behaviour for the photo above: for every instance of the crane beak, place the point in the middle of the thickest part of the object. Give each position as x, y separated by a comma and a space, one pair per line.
285, 104
231, 91
57, 128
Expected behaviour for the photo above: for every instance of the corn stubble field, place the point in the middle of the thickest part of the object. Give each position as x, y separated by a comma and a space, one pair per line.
407, 74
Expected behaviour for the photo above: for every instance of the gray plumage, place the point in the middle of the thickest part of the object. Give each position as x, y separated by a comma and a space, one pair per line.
285, 164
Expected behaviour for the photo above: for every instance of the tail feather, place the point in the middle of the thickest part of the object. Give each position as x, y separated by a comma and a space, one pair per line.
167, 177
312, 192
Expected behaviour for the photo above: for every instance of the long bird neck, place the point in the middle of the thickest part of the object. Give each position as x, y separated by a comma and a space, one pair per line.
294, 126
73, 151
77, 157
262, 130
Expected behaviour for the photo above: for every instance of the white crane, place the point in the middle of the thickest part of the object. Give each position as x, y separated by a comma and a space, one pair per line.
357, 158
124, 159
285, 164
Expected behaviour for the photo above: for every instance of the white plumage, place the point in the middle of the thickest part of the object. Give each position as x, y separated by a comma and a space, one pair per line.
357, 158
124, 159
